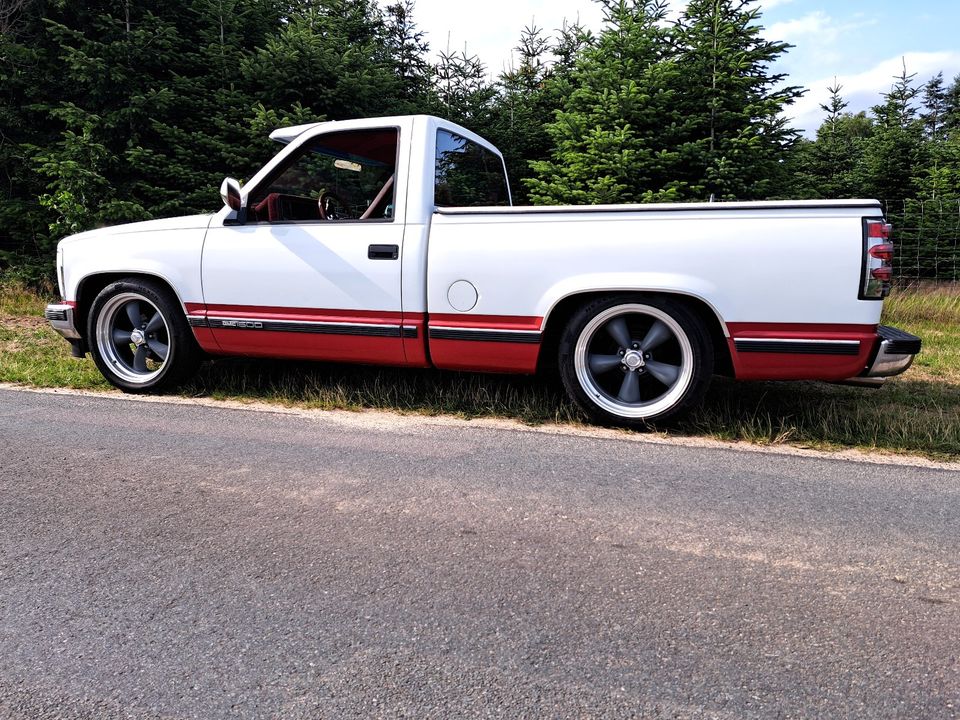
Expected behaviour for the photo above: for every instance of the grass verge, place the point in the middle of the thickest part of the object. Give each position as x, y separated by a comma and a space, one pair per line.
918, 413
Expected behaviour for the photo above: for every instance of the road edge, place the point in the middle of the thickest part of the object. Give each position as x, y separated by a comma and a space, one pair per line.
386, 419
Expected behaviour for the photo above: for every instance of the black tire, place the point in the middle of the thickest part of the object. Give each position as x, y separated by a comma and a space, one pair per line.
656, 340
139, 365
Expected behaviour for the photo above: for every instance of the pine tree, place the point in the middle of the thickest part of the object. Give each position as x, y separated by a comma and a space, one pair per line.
939, 177
737, 134
895, 152
828, 166
517, 126
951, 110
24, 233
935, 106
612, 139
408, 49
330, 56
671, 113
464, 93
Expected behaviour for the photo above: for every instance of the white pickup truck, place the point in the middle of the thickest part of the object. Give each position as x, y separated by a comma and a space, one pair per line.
393, 241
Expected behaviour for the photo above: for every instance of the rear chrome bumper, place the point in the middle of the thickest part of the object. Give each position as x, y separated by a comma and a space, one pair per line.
894, 354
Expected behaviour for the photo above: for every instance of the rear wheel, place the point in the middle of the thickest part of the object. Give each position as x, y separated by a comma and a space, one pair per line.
139, 337
635, 362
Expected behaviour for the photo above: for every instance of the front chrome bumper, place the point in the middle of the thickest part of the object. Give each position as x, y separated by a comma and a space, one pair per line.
60, 318
894, 354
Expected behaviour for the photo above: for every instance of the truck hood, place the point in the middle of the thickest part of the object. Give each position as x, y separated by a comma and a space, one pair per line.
187, 222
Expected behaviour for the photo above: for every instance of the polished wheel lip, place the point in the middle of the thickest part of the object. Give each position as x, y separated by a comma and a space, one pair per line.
602, 398
106, 325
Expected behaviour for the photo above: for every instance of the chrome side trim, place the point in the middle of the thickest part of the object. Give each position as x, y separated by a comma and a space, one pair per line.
319, 327
797, 346
485, 334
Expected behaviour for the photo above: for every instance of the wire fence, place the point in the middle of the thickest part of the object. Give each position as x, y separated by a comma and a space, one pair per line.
926, 235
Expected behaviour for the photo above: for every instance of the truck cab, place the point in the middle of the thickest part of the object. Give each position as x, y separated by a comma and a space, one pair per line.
326, 246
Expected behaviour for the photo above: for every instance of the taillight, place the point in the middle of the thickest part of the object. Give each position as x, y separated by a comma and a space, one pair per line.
882, 252
877, 259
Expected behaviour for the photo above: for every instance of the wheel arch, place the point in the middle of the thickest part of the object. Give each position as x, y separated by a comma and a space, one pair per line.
93, 284
564, 308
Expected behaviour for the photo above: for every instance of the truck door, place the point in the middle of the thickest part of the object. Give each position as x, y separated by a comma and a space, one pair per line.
313, 271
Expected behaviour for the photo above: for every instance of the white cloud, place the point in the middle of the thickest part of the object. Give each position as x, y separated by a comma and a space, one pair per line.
863, 90
815, 23
817, 29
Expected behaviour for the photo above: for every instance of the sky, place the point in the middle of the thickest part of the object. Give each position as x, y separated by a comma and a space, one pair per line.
860, 43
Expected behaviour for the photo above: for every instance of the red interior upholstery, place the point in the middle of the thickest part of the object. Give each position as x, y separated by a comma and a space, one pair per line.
268, 208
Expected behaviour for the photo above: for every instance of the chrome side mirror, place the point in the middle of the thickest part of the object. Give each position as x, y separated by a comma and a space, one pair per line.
230, 192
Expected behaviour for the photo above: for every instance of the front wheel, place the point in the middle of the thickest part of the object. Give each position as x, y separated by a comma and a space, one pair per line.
634, 361
139, 337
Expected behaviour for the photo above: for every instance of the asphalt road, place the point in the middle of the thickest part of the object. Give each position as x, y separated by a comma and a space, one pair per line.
176, 561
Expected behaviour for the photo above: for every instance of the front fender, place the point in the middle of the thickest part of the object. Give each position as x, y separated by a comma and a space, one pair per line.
172, 256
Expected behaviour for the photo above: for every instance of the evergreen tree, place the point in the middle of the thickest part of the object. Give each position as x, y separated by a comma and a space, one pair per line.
828, 166
330, 56
408, 49
951, 109
939, 177
464, 93
935, 106
895, 151
671, 113
517, 126
612, 140
736, 133
24, 234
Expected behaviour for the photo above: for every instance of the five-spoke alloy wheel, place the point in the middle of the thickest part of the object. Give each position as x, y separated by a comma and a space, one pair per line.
139, 337
635, 361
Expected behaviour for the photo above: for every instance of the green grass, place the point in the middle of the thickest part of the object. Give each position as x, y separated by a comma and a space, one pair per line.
918, 413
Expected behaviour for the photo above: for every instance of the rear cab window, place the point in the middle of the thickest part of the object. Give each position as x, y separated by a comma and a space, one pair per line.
467, 174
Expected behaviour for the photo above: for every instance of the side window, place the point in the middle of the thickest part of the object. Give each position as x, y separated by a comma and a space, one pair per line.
336, 176
467, 174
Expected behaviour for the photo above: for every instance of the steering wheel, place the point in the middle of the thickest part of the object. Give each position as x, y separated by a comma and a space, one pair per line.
332, 206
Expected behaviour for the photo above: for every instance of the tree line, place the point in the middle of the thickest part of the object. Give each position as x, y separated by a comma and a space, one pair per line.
121, 111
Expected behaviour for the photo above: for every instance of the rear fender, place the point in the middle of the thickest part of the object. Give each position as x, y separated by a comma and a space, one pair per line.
666, 283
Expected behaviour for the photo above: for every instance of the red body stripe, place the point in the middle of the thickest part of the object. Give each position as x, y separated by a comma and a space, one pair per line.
449, 354
415, 348
488, 322
305, 346
206, 340
807, 331
479, 356
792, 366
